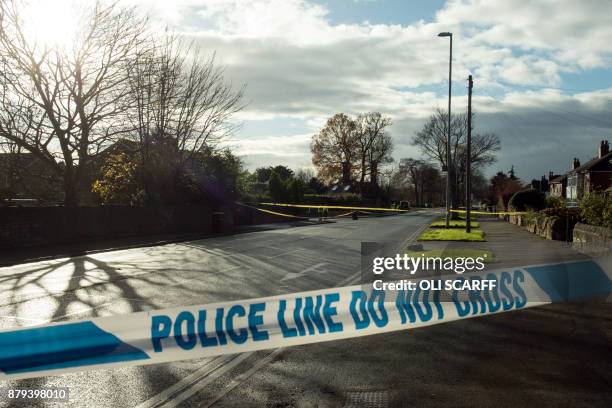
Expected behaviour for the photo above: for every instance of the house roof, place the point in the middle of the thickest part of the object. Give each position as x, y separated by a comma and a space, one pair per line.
558, 179
22, 159
592, 163
121, 145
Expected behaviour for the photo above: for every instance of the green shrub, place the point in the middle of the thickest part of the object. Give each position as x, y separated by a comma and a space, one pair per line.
118, 183
278, 191
250, 198
562, 212
554, 202
295, 189
527, 200
532, 215
596, 209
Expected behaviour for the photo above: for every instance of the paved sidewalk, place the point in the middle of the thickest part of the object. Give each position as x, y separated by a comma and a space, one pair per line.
514, 246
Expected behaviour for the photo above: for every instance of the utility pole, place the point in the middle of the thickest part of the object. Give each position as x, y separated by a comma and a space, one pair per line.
448, 138
468, 159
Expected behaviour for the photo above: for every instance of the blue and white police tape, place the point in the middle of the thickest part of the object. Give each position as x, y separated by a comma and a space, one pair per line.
287, 320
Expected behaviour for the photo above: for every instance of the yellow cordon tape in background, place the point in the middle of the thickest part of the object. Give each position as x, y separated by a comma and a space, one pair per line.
349, 213
298, 217
361, 209
339, 207
274, 212
344, 215
491, 213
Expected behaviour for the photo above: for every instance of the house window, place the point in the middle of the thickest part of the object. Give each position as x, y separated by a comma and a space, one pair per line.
575, 188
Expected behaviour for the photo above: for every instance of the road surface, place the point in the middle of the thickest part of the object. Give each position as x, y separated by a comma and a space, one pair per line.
557, 355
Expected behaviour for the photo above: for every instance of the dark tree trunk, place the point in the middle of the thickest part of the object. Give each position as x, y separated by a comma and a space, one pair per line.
72, 180
70, 192
363, 170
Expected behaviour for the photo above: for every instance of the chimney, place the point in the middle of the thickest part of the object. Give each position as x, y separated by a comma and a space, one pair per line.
604, 148
544, 185
575, 163
550, 175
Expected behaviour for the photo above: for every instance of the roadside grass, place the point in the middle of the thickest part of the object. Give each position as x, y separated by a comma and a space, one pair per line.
454, 253
450, 234
453, 224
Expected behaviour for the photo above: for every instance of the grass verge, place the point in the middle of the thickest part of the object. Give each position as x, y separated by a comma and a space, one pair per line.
453, 224
443, 234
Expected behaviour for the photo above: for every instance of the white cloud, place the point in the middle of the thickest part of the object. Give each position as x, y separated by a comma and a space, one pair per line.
285, 145
578, 31
296, 64
286, 150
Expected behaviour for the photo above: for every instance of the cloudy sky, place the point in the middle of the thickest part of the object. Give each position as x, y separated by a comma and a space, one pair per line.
541, 70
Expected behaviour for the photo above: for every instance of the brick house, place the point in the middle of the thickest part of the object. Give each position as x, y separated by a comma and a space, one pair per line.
558, 186
595, 175
25, 179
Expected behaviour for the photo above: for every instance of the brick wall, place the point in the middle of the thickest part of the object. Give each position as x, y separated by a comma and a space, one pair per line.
22, 227
27, 227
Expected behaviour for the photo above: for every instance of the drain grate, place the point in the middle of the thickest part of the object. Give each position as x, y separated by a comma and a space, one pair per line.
367, 399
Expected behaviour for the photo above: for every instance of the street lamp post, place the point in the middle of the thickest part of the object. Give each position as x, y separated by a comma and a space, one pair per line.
448, 137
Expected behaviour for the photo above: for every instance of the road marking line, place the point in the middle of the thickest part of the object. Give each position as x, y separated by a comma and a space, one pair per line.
206, 380
209, 366
314, 268
286, 253
244, 376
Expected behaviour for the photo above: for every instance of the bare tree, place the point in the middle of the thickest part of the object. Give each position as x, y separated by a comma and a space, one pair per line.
431, 140
304, 174
414, 170
372, 140
379, 155
60, 103
422, 177
182, 101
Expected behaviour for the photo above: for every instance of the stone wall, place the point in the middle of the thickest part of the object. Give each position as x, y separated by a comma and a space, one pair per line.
592, 240
552, 228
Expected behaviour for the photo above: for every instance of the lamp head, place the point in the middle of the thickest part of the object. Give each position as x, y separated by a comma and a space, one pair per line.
445, 34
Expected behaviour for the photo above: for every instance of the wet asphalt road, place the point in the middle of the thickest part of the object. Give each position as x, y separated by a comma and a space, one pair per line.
558, 355
276, 261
